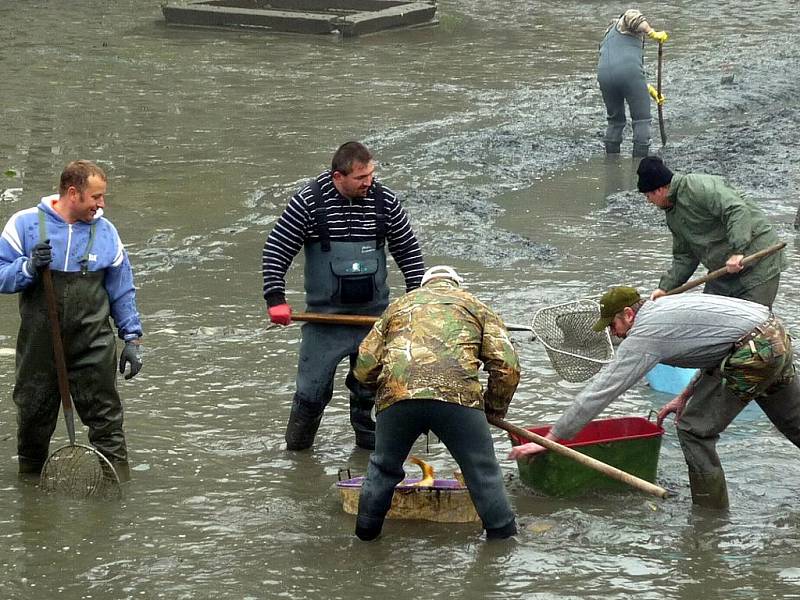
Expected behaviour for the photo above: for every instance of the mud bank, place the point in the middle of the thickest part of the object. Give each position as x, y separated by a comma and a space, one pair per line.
744, 131
753, 147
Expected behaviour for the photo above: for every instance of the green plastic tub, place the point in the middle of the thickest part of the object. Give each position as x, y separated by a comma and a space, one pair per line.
631, 444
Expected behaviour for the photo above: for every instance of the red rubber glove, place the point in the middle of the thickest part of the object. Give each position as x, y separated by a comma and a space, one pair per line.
280, 314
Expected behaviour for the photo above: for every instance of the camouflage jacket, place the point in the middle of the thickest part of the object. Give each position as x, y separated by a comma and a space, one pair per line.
430, 344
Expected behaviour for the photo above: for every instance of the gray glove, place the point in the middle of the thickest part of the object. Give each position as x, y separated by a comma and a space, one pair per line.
41, 256
131, 354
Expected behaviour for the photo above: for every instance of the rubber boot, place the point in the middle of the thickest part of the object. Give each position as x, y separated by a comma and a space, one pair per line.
29, 466
363, 425
122, 469
368, 528
501, 533
640, 150
612, 147
302, 427
709, 490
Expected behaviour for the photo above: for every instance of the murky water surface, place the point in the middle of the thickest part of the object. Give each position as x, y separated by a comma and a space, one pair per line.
489, 126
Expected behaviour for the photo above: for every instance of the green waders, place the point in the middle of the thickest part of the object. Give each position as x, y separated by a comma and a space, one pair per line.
90, 349
759, 368
763, 294
322, 348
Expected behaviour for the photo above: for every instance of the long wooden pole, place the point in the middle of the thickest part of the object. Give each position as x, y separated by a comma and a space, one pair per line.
58, 353
587, 461
717, 273
367, 320
658, 88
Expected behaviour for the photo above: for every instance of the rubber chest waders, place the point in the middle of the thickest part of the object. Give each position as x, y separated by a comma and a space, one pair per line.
90, 347
620, 73
344, 277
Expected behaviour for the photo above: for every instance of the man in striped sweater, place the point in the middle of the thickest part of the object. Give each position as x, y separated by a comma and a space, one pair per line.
343, 220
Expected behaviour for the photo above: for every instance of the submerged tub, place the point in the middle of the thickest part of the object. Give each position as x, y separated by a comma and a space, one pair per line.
446, 501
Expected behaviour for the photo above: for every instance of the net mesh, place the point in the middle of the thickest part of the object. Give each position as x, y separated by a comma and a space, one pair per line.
80, 471
565, 330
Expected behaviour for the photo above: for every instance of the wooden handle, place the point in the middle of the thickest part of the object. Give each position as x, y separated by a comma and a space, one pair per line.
58, 352
334, 319
586, 461
747, 260
658, 89
368, 320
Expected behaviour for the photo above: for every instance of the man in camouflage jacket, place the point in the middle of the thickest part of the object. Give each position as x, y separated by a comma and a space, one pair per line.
423, 357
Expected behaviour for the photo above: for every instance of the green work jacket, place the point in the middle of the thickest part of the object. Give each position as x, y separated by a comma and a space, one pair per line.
710, 221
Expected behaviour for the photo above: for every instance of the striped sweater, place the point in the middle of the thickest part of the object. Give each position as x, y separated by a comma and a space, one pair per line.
348, 220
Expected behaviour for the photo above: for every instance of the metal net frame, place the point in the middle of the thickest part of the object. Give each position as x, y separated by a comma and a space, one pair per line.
80, 471
574, 349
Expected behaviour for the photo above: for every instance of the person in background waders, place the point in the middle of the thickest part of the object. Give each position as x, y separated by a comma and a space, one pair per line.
93, 280
343, 219
742, 350
423, 357
716, 225
620, 73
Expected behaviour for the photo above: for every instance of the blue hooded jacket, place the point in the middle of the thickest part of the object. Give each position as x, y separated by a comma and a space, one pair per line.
69, 242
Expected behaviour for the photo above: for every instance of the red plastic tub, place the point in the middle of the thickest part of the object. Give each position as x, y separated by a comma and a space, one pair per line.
631, 444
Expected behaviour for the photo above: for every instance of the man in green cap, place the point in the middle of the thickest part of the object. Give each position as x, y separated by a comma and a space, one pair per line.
743, 353
713, 224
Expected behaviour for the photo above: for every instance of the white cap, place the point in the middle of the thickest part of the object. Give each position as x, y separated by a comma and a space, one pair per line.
442, 271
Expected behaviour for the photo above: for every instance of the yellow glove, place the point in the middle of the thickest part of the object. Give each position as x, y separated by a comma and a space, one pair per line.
654, 93
659, 36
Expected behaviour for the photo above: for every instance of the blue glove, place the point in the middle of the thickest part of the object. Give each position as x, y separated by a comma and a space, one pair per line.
131, 354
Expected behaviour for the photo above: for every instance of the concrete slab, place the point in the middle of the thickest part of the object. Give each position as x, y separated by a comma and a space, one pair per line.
203, 15
348, 17
404, 15
308, 5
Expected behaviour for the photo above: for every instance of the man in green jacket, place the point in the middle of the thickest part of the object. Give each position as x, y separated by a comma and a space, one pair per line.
423, 357
713, 224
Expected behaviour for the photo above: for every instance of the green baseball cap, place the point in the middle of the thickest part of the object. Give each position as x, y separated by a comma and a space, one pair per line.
612, 302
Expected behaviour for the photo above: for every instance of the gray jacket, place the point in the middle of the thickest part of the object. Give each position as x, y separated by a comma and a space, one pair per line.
688, 330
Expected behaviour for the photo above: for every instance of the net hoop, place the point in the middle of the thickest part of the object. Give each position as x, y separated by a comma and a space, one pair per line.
574, 349
80, 471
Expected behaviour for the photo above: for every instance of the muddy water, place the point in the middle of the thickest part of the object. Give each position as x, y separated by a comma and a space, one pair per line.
489, 126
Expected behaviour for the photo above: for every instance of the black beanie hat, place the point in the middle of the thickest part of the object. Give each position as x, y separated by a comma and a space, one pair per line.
653, 174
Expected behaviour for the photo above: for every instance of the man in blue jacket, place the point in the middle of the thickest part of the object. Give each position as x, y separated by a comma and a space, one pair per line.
68, 234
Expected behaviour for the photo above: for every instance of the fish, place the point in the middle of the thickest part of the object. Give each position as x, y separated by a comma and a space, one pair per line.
427, 473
